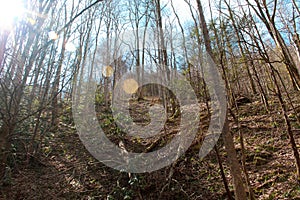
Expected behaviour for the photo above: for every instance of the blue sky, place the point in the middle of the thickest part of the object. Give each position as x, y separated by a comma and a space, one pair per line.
183, 10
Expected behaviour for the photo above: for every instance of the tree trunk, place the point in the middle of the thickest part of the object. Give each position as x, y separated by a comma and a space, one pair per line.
235, 169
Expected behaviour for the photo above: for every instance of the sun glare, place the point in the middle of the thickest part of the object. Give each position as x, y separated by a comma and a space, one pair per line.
53, 35
10, 11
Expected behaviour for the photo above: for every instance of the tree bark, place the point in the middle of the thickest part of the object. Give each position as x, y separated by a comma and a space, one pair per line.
239, 189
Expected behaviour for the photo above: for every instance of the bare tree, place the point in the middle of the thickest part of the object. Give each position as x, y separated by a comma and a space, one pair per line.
239, 189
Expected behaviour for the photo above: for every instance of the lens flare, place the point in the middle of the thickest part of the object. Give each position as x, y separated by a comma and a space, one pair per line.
130, 86
53, 35
107, 71
31, 21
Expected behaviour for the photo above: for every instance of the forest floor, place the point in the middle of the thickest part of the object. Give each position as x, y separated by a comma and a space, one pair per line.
66, 170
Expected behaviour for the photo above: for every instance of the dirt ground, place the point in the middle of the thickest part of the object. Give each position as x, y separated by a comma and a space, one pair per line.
66, 170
